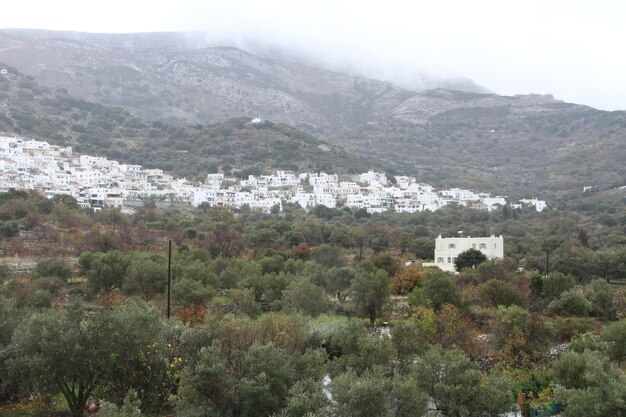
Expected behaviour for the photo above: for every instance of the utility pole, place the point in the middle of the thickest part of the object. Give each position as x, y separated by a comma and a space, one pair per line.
169, 278
361, 248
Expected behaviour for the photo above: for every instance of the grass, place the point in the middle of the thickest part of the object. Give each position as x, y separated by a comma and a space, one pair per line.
324, 319
53, 407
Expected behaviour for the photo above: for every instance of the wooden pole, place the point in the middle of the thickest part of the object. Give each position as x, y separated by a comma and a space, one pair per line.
169, 279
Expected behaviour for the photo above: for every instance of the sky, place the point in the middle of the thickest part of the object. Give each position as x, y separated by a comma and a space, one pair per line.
571, 49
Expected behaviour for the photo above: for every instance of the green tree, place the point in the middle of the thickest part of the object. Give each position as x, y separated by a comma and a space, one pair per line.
305, 297
470, 258
369, 292
360, 396
499, 293
440, 289
144, 353
519, 333
615, 334
104, 271
599, 293
59, 352
458, 388
146, 276
554, 284
570, 303
305, 399
52, 268
587, 385
588, 342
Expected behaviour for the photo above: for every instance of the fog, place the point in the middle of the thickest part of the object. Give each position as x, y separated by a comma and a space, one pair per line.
571, 49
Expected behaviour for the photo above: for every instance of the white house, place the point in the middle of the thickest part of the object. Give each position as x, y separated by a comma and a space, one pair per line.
539, 204
447, 249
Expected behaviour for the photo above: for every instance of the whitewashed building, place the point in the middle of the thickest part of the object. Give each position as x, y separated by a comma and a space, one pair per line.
448, 248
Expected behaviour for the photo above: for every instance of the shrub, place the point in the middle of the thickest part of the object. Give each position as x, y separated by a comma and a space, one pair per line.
53, 268
571, 303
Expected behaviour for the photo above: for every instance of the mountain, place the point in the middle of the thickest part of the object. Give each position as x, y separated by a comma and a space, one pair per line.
161, 80
518, 145
237, 146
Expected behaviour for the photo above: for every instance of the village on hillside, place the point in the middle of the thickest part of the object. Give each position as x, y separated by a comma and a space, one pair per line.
98, 182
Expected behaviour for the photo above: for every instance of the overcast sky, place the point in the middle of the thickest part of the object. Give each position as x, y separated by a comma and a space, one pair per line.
572, 49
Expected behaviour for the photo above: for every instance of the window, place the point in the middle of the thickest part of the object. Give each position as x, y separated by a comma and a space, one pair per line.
473, 246
483, 246
448, 259
440, 260
451, 246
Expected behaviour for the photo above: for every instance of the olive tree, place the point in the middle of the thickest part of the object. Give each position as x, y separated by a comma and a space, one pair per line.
58, 351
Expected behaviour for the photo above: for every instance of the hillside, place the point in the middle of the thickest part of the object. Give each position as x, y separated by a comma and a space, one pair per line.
519, 145
235, 146
161, 78
526, 143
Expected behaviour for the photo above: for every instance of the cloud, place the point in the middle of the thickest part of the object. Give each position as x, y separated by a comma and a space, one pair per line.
569, 48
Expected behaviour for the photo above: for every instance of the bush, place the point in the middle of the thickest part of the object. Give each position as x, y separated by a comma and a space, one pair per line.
571, 303
554, 284
52, 284
499, 293
566, 328
57, 268
9, 229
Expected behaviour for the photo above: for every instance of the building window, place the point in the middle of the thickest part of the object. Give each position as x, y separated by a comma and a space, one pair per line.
473, 246
451, 246
440, 260
483, 246
448, 259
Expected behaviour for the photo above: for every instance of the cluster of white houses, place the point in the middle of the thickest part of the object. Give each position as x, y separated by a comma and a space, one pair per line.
98, 182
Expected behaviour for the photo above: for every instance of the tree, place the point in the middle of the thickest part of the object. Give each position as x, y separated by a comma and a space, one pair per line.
104, 271
337, 282
59, 352
143, 353
305, 399
615, 334
499, 293
146, 276
587, 385
224, 241
53, 268
570, 303
405, 280
369, 290
599, 293
360, 396
458, 388
305, 297
470, 258
440, 289
588, 342
519, 333
554, 284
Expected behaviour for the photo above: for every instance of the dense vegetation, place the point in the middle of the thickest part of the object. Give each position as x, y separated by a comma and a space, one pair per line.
282, 314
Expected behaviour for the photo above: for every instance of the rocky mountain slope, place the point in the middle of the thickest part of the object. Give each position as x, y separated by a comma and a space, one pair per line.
236, 146
516, 145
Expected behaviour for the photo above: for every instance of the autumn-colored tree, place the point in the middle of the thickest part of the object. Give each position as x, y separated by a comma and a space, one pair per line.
405, 280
